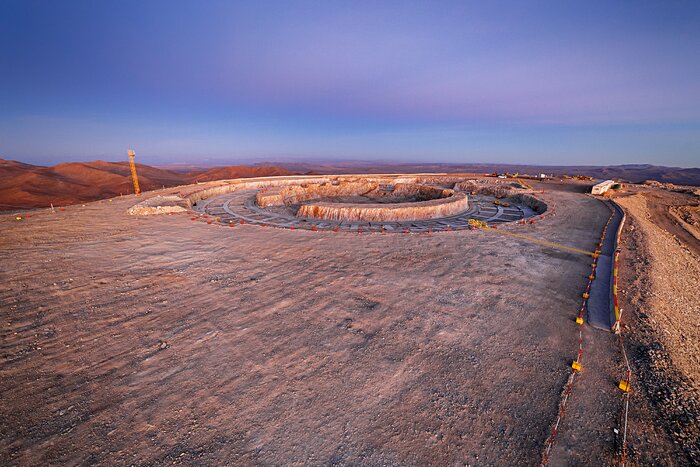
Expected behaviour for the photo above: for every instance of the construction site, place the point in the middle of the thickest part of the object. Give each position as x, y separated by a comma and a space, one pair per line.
399, 319
349, 234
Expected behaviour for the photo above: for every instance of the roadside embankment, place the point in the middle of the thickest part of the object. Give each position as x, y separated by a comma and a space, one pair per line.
660, 296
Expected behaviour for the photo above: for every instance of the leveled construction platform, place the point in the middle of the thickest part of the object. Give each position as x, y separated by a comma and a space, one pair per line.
163, 339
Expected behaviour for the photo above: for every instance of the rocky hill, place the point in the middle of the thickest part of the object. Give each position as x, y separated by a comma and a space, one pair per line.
26, 186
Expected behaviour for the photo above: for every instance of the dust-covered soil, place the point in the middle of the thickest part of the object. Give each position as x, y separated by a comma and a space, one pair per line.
674, 213
660, 297
689, 218
158, 339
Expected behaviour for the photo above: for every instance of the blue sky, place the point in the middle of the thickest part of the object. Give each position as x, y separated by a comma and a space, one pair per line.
556, 82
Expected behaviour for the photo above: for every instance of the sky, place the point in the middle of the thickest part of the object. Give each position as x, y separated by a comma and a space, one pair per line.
538, 82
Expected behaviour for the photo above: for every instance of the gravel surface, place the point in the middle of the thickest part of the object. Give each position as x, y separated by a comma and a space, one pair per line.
158, 339
660, 295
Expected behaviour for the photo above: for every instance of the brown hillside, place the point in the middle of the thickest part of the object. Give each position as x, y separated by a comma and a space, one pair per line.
25, 186
225, 173
9, 169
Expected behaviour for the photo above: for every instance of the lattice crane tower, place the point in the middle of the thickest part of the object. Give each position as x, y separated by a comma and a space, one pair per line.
132, 164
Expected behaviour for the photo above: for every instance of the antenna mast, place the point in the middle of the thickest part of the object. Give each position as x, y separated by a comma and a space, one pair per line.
132, 164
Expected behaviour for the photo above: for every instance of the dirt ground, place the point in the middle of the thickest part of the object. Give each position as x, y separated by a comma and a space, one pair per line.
659, 277
157, 340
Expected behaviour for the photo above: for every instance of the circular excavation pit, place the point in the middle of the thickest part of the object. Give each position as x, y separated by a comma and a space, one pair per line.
364, 201
371, 204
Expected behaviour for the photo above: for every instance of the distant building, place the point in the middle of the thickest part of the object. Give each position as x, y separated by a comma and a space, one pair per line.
602, 187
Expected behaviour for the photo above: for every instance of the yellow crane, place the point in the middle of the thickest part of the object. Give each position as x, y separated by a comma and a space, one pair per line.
132, 164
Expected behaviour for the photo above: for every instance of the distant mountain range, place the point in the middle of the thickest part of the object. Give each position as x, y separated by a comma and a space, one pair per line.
25, 186
634, 173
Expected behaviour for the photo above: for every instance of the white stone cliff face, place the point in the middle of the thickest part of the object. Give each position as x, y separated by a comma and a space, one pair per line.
430, 202
432, 209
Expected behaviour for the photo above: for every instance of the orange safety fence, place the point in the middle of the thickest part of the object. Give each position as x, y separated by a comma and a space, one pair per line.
577, 364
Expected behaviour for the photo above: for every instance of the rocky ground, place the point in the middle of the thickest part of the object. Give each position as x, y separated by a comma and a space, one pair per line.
158, 339
660, 298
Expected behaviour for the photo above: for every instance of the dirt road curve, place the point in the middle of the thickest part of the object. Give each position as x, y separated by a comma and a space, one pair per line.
155, 340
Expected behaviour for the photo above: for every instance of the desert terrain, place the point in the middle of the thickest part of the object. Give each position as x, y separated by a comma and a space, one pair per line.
634, 173
26, 186
184, 338
659, 277
361, 234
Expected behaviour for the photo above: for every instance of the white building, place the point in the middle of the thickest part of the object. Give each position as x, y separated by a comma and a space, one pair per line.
602, 187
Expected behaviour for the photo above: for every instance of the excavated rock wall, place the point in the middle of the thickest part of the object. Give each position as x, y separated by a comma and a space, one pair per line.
530, 201
454, 204
194, 194
511, 190
296, 194
419, 192
442, 180
496, 188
